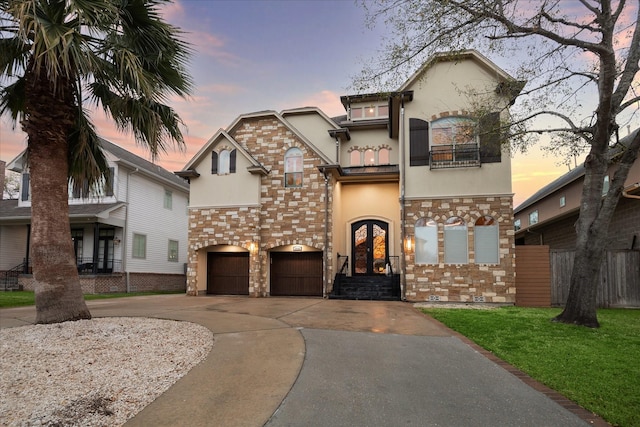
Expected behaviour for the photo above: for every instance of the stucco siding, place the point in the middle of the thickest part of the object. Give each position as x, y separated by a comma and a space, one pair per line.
315, 128
233, 189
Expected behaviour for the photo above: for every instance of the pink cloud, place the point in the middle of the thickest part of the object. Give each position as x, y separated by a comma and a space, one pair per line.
326, 100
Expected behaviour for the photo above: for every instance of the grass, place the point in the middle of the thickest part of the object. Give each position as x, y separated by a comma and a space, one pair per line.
597, 368
23, 298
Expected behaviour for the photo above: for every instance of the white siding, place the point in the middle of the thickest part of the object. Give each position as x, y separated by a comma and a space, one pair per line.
148, 216
13, 245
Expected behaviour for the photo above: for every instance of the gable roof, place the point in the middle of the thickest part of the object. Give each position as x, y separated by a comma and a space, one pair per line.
456, 56
125, 158
221, 135
256, 115
571, 176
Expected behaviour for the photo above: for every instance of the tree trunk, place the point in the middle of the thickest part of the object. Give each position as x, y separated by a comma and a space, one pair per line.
49, 117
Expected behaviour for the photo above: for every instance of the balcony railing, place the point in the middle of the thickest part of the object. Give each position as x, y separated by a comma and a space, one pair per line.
89, 266
454, 156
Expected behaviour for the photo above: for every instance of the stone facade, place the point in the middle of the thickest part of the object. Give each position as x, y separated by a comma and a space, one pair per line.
469, 282
286, 215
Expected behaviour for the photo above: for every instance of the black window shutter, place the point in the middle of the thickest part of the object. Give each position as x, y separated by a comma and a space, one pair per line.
490, 146
418, 142
232, 161
25, 187
109, 183
214, 163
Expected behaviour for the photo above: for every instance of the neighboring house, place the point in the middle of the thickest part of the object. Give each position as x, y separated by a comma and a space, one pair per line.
406, 190
549, 216
129, 235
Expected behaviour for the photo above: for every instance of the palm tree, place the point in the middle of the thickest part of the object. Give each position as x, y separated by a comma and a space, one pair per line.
58, 57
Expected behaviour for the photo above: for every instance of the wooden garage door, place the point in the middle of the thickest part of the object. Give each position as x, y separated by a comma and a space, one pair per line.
228, 273
296, 274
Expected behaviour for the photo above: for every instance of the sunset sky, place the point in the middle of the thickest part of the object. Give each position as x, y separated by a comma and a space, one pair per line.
274, 55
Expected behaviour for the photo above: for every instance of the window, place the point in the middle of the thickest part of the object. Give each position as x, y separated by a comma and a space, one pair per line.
455, 241
453, 140
139, 249
486, 244
533, 217
517, 225
418, 142
354, 158
369, 157
426, 245
371, 111
24, 190
173, 251
490, 138
383, 156
605, 185
109, 183
293, 163
224, 162
168, 200
563, 201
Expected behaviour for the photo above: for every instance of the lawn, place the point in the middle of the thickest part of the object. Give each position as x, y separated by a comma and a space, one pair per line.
597, 368
22, 298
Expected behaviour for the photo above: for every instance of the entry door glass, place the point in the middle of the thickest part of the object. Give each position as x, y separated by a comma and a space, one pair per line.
369, 240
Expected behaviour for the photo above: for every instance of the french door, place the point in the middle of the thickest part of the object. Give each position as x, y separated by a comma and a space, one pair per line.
369, 247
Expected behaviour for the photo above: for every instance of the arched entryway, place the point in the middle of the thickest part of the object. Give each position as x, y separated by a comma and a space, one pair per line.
369, 247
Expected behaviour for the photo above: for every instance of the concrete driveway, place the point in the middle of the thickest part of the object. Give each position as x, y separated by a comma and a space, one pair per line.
315, 362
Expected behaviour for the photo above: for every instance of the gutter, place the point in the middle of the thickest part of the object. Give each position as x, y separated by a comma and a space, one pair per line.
625, 191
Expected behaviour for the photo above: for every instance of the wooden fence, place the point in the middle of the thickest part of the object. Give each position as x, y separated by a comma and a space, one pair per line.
533, 276
619, 278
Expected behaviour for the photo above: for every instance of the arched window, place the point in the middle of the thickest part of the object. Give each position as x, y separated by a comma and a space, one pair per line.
354, 158
486, 244
426, 241
224, 159
383, 156
455, 241
369, 157
293, 164
224, 162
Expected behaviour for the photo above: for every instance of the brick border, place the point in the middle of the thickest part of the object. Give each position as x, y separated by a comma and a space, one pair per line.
552, 394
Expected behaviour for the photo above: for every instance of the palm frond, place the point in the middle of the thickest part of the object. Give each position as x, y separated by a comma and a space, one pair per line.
12, 100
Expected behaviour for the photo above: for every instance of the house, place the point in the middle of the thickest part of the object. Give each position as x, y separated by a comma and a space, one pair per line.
548, 217
546, 239
406, 196
128, 236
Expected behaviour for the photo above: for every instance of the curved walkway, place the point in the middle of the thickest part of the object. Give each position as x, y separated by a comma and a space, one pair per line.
315, 362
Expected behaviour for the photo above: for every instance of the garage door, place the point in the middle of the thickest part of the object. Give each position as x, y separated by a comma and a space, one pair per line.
296, 274
228, 273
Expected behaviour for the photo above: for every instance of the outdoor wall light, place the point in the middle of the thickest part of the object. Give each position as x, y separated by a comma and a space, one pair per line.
253, 248
116, 241
408, 243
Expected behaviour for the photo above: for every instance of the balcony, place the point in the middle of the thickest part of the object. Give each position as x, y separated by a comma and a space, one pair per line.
454, 156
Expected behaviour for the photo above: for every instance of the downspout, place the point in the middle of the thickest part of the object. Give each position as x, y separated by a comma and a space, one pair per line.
126, 233
326, 234
403, 277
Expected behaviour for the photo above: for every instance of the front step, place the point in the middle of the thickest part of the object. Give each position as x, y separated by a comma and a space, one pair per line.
378, 288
